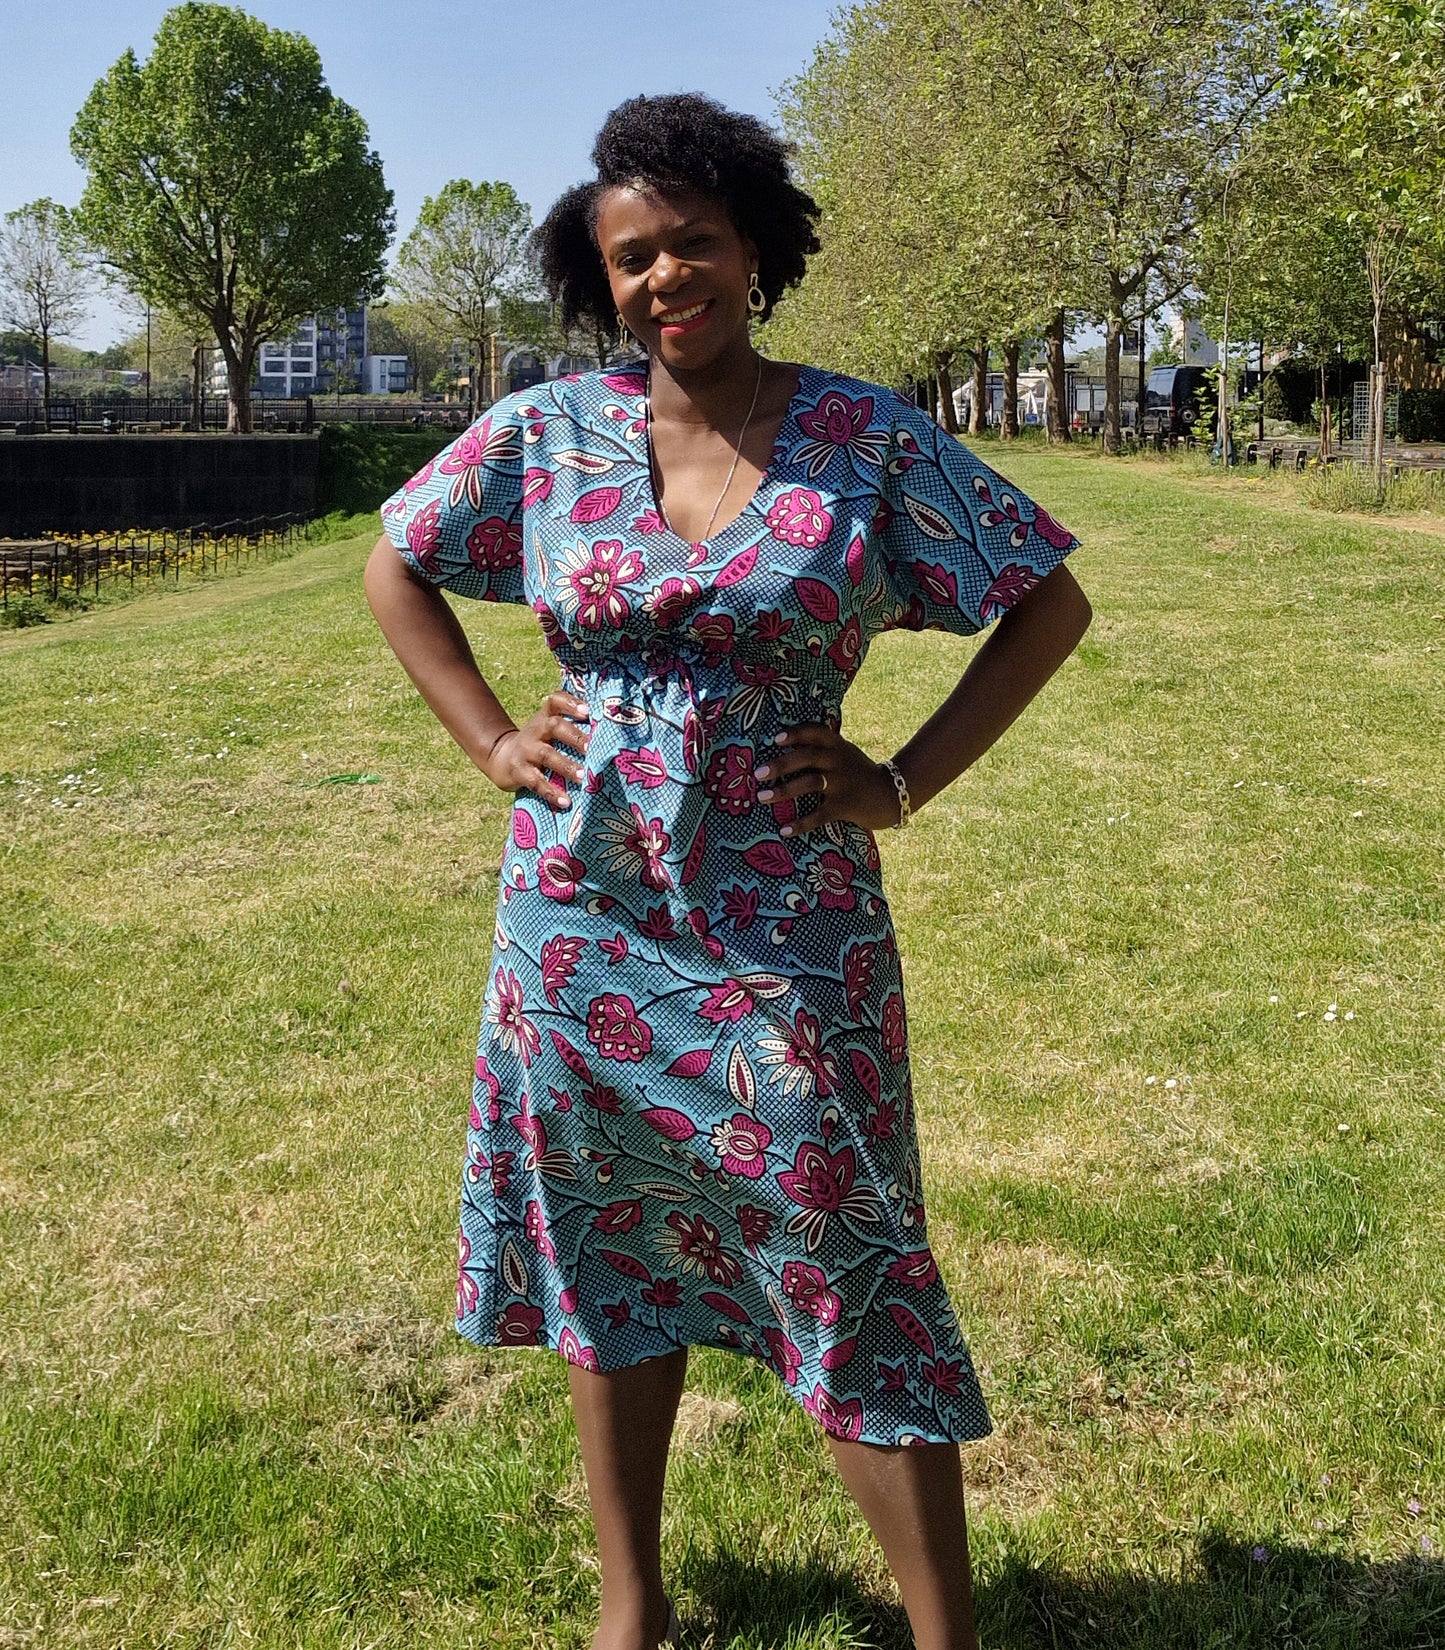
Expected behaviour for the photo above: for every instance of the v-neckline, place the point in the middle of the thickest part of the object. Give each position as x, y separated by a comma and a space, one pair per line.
720, 536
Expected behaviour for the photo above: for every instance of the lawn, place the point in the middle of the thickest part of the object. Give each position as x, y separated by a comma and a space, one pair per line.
1173, 962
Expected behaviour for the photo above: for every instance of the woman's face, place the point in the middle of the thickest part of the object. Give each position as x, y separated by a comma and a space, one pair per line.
679, 272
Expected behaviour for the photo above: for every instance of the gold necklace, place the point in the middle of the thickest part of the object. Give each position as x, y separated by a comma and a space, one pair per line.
737, 454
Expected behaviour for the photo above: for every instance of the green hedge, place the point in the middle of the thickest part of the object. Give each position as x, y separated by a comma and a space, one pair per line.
361, 465
1422, 415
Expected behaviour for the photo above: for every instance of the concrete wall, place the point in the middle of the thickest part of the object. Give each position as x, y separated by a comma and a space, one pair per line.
101, 483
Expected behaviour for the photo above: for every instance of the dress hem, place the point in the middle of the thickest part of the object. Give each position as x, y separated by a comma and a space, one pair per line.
915, 1435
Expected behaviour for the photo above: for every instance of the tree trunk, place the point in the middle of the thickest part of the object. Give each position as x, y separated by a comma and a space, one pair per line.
240, 358
1009, 428
1377, 366
945, 396
977, 413
1113, 340
1324, 414
1143, 363
198, 405
1057, 412
45, 370
1259, 391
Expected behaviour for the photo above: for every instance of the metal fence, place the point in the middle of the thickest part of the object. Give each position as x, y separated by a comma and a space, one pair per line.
53, 567
135, 414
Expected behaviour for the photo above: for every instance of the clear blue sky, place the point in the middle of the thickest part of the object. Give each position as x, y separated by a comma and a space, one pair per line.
512, 89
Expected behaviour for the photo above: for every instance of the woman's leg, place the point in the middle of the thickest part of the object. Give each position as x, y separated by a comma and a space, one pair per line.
624, 1426
912, 1497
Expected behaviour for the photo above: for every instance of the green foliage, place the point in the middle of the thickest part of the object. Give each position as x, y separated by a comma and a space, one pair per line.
227, 185
1290, 390
984, 166
22, 611
1422, 415
43, 283
931, 241
397, 329
361, 465
1358, 488
1368, 99
464, 257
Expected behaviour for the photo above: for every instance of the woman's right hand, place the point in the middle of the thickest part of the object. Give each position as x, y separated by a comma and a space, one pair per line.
522, 758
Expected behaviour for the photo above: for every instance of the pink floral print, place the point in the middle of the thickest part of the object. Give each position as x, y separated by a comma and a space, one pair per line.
691, 1118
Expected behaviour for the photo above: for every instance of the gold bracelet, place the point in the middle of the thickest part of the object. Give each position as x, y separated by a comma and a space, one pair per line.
901, 786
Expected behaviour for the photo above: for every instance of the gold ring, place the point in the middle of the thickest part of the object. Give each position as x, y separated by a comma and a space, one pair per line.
824, 785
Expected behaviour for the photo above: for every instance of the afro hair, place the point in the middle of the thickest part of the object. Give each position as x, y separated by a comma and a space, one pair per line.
679, 141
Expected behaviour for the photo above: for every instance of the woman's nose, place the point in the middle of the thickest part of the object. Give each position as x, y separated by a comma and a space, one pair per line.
667, 272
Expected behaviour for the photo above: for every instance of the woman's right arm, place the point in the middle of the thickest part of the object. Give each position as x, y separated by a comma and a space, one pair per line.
428, 639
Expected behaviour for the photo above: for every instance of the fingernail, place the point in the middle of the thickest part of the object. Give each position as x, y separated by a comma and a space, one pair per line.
787, 830
760, 773
780, 738
584, 710
566, 802
765, 796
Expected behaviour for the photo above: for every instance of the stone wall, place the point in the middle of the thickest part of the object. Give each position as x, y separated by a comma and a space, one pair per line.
105, 483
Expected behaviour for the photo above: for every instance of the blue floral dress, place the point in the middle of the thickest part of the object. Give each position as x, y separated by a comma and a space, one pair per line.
692, 1119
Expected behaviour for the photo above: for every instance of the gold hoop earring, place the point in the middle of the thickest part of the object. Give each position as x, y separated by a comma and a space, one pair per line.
757, 299
623, 336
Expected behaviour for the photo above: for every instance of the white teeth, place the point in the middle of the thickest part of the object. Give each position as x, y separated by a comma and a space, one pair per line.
674, 316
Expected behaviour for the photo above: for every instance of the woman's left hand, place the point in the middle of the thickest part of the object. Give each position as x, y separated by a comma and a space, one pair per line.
812, 759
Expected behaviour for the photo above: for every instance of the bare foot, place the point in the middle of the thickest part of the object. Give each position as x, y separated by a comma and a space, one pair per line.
639, 1628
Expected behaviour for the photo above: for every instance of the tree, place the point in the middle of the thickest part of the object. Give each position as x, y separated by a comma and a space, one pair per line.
1109, 124
1279, 255
397, 329
1139, 108
467, 253
227, 185
1370, 93
933, 244
43, 284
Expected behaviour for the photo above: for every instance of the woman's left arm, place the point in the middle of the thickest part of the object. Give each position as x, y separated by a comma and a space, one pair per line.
1020, 654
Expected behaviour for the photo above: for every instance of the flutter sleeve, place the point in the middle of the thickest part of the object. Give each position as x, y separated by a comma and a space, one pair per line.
960, 545
458, 521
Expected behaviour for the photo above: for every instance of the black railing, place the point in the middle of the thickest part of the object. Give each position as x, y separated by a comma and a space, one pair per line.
134, 414
53, 567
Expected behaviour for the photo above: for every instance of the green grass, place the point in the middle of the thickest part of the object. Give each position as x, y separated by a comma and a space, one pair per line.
1193, 1228
22, 610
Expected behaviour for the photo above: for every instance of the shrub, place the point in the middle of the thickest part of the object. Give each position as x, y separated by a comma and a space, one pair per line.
1353, 487
23, 611
1289, 391
360, 465
1422, 415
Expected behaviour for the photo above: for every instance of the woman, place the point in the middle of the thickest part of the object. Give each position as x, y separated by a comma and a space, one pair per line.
692, 1118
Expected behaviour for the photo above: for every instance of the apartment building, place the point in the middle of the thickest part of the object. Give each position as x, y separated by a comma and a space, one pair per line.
308, 361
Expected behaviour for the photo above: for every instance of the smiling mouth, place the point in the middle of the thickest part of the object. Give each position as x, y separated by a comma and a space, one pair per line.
682, 320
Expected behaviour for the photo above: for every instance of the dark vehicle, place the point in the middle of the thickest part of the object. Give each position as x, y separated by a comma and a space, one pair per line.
1174, 401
